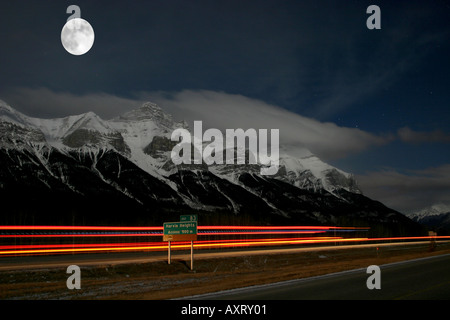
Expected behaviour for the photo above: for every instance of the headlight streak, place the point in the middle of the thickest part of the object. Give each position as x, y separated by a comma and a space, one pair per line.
143, 234
27, 232
103, 231
158, 246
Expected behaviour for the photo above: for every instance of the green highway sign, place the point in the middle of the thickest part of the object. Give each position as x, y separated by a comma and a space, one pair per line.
185, 230
186, 218
180, 227
180, 231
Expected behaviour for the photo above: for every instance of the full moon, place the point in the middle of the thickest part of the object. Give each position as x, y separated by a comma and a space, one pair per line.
77, 36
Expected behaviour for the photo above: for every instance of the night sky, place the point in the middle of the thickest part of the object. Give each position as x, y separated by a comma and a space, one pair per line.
371, 102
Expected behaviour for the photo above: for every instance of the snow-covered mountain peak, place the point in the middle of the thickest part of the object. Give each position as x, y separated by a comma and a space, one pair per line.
147, 112
91, 121
4, 105
16, 131
143, 135
122, 169
73, 131
8, 114
150, 106
312, 173
434, 210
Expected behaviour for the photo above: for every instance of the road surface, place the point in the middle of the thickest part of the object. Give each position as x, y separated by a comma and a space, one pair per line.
425, 279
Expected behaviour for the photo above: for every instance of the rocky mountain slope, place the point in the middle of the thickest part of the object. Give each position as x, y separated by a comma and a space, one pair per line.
85, 170
435, 218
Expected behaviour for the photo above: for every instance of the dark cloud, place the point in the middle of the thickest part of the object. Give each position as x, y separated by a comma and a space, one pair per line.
45, 103
410, 136
216, 109
408, 192
222, 110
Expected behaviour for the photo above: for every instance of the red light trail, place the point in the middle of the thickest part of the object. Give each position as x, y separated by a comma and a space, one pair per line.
28, 233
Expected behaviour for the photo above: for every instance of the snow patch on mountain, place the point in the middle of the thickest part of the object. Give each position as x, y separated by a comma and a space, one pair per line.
434, 210
139, 128
311, 173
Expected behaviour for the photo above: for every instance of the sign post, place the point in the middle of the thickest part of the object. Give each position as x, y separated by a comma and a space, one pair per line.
185, 230
192, 255
168, 252
432, 235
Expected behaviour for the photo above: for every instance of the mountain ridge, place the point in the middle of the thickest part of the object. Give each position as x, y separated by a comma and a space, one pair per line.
113, 133
125, 163
435, 217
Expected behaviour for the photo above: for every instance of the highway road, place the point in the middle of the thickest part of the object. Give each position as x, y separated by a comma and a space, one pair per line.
424, 279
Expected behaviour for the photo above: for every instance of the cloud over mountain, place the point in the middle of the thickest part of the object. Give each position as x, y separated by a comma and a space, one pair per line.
216, 109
